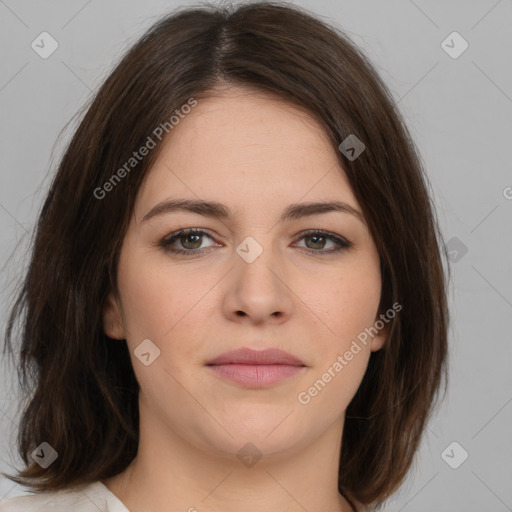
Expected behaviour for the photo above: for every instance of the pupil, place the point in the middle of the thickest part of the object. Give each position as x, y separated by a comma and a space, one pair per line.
187, 237
316, 238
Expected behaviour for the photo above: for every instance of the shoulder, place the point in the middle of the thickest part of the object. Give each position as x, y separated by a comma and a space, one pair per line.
30, 503
46, 502
93, 497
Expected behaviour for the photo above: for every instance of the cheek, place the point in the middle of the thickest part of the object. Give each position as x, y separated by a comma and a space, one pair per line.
330, 391
167, 308
341, 358
352, 308
161, 308
345, 303
153, 302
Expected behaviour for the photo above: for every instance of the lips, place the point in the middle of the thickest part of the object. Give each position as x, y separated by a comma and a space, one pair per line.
270, 356
256, 368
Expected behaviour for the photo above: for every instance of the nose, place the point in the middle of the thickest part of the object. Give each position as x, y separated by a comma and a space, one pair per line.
258, 290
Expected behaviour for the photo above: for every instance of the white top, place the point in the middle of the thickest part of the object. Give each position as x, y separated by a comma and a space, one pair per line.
95, 497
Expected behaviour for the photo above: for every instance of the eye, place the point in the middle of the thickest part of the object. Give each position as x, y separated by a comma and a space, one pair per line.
190, 239
320, 238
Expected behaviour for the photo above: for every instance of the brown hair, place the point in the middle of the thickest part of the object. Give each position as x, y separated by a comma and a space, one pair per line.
81, 388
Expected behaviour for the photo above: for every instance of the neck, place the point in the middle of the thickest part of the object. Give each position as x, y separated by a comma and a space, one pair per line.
170, 474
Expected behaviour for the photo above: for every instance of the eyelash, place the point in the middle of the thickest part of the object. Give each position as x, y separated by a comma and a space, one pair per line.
166, 242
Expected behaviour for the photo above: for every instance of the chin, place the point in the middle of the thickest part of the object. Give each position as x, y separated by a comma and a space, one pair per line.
270, 432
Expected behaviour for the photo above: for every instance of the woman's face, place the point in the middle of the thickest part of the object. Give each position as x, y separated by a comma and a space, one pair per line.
250, 279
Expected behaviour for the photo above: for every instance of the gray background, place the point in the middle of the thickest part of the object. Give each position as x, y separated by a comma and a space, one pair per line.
459, 112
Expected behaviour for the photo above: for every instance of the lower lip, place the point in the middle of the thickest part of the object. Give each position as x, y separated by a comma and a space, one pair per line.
260, 375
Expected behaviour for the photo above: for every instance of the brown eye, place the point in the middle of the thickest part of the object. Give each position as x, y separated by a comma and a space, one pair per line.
319, 239
318, 242
193, 239
189, 240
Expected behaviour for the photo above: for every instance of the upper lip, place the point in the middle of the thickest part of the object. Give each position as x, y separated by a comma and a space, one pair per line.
256, 357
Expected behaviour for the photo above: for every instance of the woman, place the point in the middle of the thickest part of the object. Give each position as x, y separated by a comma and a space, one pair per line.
236, 297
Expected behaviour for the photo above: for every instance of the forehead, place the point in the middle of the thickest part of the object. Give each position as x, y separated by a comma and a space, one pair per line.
246, 148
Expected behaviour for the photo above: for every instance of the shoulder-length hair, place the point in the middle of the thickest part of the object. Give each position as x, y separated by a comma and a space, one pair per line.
83, 394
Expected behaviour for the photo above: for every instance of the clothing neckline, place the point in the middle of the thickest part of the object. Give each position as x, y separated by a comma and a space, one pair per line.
102, 488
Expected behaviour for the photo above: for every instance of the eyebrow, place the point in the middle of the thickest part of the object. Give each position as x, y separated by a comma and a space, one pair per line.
217, 210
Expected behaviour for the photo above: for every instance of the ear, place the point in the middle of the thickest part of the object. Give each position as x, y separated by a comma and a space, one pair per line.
380, 339
113, 325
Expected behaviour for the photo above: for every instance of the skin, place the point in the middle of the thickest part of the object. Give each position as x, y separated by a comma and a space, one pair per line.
256, 155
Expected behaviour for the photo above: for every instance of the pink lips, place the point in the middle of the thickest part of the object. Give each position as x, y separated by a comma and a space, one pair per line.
256, 368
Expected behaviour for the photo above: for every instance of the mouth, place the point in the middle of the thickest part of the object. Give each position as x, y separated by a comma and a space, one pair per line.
256, 368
